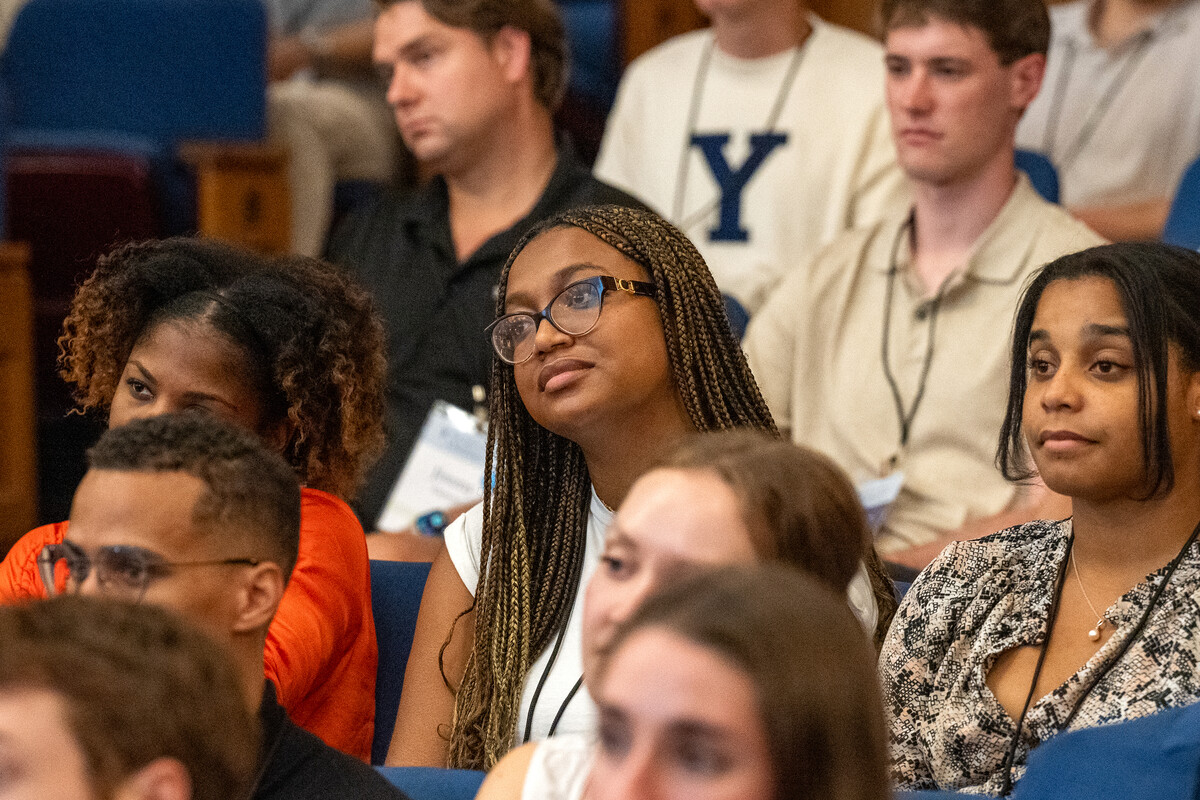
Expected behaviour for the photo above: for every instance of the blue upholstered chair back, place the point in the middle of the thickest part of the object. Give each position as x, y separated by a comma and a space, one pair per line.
396, 588
1148, 758
1041, 172
595, 58
1183, 223
429, 783
737, 314
163, 70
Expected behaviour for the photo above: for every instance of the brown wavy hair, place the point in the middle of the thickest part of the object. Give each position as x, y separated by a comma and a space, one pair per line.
137, 684
812, 670
1014, 28
799, 507
524, 535
311, 335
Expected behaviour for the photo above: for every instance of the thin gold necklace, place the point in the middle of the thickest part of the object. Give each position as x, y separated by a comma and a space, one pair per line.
1094, 633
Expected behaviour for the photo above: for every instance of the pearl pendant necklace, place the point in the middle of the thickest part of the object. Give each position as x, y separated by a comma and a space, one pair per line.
1095, 633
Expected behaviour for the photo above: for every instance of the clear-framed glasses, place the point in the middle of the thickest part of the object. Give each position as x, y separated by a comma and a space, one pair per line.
575, 311
122, 571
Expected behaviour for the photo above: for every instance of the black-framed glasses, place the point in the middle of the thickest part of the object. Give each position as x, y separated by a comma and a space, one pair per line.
122, 571
574, 311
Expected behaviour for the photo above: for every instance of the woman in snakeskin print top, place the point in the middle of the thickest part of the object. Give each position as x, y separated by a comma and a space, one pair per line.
1005, 641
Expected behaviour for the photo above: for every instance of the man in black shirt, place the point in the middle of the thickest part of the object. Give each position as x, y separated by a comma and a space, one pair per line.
473, 101
184, 512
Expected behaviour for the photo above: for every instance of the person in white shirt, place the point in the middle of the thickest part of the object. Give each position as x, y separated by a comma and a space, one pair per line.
325, 104
1120, 112
761, 137
611, 345
889, 352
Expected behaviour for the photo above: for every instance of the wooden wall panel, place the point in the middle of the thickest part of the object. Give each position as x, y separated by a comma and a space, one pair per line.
857, 14
647, 23
18, 467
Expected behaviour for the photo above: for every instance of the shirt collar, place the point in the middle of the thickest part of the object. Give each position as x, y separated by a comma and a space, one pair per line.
1001, 251
428, 206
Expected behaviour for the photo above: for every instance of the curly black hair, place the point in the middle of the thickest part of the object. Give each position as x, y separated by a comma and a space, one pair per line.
311, 334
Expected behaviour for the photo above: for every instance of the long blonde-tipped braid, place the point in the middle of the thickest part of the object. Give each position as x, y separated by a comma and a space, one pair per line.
542, 532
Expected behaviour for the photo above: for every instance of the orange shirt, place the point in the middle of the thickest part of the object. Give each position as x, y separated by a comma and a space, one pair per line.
321, 651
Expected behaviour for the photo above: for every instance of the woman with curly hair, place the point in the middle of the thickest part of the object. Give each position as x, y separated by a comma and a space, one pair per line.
637, 354
291, 349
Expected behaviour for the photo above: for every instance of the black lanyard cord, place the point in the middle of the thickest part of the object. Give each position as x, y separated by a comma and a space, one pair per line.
702, 69
1090, 125
537, 692
541, 683
906, 416
1102, 672
563, 707
1137, 630
1051, 617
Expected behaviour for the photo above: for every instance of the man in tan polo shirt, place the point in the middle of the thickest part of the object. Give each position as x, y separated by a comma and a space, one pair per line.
890, 352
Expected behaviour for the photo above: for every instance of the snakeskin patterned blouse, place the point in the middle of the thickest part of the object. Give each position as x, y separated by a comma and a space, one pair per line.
981, 598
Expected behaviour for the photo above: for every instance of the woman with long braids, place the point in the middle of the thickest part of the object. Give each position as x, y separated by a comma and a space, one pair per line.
291, 349
636, 353
1006, 641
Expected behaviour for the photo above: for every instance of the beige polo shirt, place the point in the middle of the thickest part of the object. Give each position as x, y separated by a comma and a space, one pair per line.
816, 349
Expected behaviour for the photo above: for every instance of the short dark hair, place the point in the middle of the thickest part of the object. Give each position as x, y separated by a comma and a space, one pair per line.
811, 665
538, 18
1159, 286
250, 492
137, 684
1014, 28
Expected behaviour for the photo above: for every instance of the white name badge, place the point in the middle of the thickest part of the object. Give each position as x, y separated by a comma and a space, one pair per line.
444, 469
877, 497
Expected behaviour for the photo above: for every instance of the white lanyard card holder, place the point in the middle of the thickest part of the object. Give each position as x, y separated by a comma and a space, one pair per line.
444, 469
877, 497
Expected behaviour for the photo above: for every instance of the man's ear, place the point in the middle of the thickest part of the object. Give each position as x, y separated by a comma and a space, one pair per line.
512, 49
1025, 79
162, 779
258, 597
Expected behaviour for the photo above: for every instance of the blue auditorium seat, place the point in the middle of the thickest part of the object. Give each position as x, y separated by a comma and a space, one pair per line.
430, 783
137, 78
1183, 222
1041, 172
396, 588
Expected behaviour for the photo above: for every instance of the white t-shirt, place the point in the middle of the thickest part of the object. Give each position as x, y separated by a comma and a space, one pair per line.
463, 539
827, 163
1120, 123
559, 768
